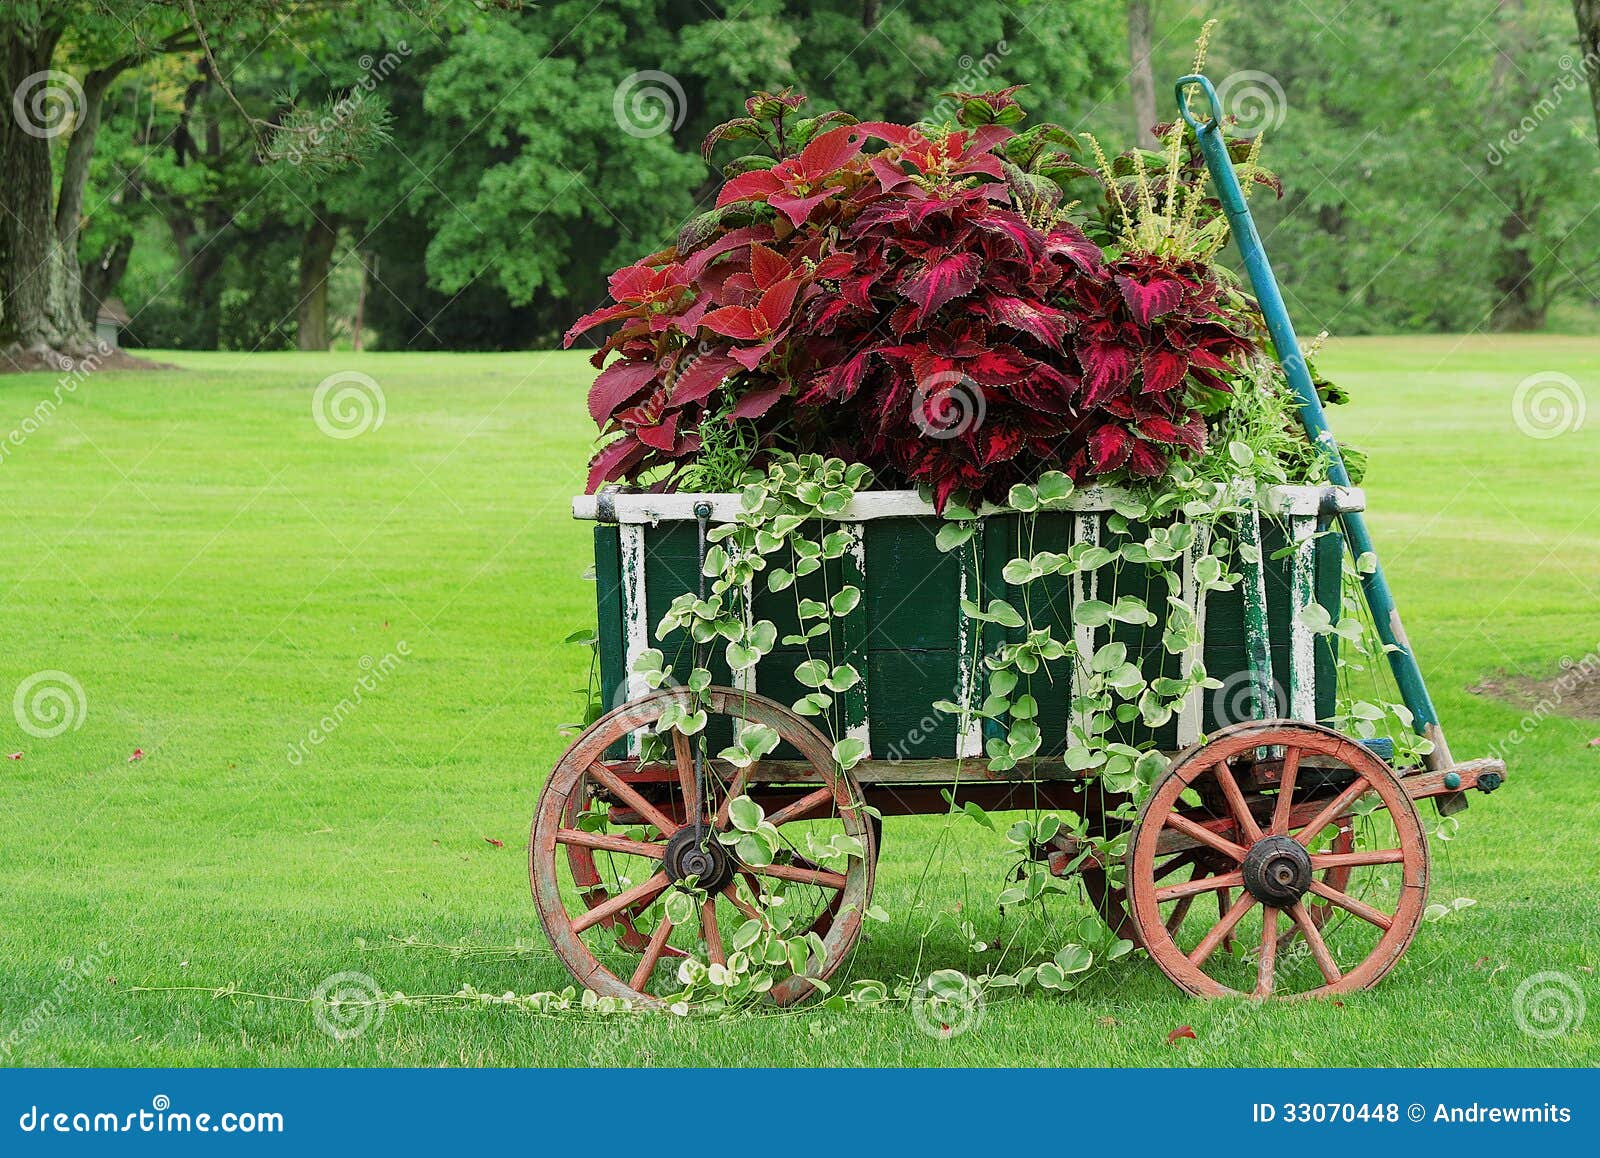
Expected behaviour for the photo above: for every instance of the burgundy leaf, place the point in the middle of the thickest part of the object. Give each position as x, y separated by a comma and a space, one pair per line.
1109, 447
1107, 368
663, 436
1163, 368
617, 385
700, 377
1046, 323
937, 282
754, 186
614, 461
1146, 461
1150, 299
758, 402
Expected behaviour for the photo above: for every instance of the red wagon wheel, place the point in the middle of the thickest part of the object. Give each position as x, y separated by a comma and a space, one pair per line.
599, 887
1339, 830
1110, 900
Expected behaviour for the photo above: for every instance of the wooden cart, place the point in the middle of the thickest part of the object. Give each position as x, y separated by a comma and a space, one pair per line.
1274, 856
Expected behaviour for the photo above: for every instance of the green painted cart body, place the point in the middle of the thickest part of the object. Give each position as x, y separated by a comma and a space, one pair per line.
913, 646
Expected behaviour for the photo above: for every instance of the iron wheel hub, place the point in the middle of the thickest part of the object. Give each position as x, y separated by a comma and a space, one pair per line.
1277, 871
696, 852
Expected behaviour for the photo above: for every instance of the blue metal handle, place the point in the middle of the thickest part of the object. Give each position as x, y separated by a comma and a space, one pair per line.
1214, 147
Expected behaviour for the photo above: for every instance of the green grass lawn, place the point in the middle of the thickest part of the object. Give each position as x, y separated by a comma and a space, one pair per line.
217, 574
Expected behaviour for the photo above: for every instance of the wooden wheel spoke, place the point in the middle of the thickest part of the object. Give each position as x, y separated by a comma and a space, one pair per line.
1314, 941
1202, 834
1328, 860
683, 756
1229, 784
712, 934
1199, 885
1267, 961
741, 778
625, 792
801, 808
1351, 905
1222, 930
805, 876
732, 893
1174, 920
640, 894
1335, 808
652, 954
607, 842
1285, 802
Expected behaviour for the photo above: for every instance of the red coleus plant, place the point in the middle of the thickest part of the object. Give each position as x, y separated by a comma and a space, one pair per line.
895, 307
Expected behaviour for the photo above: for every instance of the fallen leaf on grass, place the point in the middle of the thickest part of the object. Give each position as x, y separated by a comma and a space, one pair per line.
496, 843
1181, 1032
1107, 1022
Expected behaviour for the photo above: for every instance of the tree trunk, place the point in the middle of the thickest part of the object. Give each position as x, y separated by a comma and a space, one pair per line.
1141, 75
75, 176
316, 254
101, 276
1516, 301
1587, 13
1517, 305
38, 274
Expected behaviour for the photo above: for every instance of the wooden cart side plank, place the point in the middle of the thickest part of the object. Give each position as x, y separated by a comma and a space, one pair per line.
969, 655
1302, 650
1085, 585
635, 613
610, 599
853, 632
1258, 648
653, 508
1193, 708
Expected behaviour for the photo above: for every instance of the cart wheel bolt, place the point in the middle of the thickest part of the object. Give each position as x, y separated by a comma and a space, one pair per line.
1452, 780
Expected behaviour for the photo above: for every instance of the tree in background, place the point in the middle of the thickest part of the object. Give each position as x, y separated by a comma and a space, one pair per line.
207, 172
60, 61
40, 218
1141, 74
1587, 13
1431, 184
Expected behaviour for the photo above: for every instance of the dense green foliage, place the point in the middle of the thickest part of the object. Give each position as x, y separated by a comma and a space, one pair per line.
1439, 158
